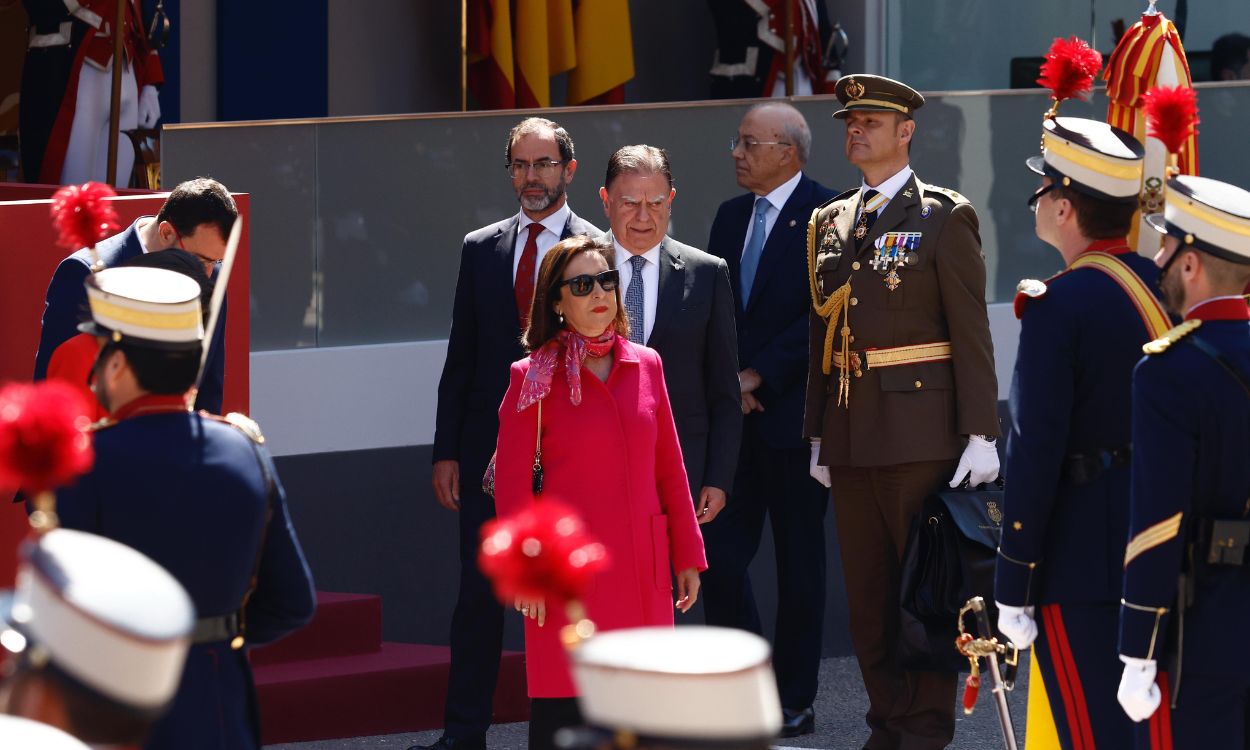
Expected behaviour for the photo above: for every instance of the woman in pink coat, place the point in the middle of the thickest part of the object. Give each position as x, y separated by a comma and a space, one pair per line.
609, 450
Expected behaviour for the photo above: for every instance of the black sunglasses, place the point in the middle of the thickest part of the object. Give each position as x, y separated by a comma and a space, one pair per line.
582, 285
1037, 196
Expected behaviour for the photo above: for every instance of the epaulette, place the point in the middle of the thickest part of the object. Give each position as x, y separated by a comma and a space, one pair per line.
1026, 290
951, 194
103, 423
240, 422
1161, 344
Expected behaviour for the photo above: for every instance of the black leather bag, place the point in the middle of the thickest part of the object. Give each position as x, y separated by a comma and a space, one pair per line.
949, 558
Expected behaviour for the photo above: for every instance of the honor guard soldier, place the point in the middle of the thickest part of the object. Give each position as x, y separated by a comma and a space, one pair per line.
195, 492
901, 394
693, 687
1186, 606
97, 635
1065, 515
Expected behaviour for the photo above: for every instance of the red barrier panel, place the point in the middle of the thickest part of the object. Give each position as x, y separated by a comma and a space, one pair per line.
29, 255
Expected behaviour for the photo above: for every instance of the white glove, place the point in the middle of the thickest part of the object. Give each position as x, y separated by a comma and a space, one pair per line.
818, 472
149, 107
979, 463
1017, 625
1138, 693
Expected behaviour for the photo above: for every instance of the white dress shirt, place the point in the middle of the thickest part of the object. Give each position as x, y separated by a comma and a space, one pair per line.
776, 201
890, 187
553, 227
650, 283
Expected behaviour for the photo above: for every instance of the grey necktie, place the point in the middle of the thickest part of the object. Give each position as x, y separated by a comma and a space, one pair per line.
634, 301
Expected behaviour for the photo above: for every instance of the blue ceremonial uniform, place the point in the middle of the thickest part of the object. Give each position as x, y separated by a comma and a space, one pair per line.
191, 492
1191, 427
1065, 515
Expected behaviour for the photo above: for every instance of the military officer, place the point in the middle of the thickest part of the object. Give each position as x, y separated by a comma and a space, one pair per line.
1186, 589
1065, 515
902, 395
196, 493
97, 634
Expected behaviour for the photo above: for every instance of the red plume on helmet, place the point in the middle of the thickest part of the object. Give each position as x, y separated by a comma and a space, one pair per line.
545, 551
1069, 70
44, 443
1171, 115
83, 215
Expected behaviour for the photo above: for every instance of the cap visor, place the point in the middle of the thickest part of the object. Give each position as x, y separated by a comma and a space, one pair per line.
93, 328
1037, 164
1157, 223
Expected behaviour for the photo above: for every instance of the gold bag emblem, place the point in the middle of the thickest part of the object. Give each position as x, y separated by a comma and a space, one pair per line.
996, 515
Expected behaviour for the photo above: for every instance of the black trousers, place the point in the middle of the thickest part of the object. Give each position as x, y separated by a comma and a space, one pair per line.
477, 623
548, 716
775, 482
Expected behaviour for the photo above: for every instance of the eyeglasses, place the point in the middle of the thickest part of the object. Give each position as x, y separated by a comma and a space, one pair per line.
1033, 199
750, 143
582, 285
542, 167
207, 261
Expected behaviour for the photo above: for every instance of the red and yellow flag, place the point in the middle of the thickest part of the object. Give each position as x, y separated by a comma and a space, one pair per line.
605, 52
1149, 54
544, 47
490, 54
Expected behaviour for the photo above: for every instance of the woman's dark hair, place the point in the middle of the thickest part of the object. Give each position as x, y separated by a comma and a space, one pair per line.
544, 323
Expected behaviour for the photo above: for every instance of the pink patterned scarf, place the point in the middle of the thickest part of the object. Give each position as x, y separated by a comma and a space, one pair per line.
575, 348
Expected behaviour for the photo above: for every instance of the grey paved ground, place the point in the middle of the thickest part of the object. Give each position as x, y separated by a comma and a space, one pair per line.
839, 720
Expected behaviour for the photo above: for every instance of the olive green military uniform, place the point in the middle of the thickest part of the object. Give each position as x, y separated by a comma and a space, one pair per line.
892, 422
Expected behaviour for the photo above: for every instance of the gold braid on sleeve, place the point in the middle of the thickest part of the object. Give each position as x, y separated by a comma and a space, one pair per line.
828, 310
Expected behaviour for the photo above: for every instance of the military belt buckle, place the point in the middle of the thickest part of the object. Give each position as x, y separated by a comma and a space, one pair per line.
859, 363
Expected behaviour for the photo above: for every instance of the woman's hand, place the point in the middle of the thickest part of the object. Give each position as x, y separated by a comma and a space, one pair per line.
536, 609
687, 589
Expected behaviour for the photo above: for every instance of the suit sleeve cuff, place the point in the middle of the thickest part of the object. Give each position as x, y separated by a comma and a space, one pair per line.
1015, 581
1142, 628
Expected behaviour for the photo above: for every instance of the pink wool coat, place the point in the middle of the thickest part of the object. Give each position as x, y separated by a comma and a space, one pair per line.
616, 460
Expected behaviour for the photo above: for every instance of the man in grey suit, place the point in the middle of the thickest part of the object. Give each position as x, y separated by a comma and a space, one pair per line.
498, 267
680, 303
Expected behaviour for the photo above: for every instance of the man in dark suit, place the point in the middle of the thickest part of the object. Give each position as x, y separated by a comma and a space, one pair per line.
901, 394
498, 267
680, 303
196, 217
761, 235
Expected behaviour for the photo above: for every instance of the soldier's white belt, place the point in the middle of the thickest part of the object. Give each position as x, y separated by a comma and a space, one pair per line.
871, 359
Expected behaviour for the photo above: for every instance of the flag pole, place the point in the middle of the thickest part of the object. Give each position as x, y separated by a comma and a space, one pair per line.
115, 100
790, 47
464, 55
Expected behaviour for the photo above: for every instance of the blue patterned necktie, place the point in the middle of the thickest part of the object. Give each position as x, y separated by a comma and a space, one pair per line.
635, 295
754, 248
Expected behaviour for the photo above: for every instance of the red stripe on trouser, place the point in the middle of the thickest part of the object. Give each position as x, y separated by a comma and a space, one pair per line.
1070, 690
1161, 719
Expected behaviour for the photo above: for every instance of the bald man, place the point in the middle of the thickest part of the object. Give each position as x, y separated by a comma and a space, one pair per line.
762, 236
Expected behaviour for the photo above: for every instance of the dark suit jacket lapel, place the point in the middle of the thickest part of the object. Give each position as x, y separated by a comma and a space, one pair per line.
740, 220
894, 213
790, 222
672, 279
505, 247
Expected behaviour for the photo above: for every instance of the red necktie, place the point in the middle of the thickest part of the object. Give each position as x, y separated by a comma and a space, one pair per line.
524, 284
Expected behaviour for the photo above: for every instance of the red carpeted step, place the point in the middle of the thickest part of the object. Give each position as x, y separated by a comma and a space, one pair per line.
344, 625
400, 688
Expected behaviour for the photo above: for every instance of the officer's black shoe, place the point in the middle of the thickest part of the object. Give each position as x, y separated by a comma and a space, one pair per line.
454, 743
797, 722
